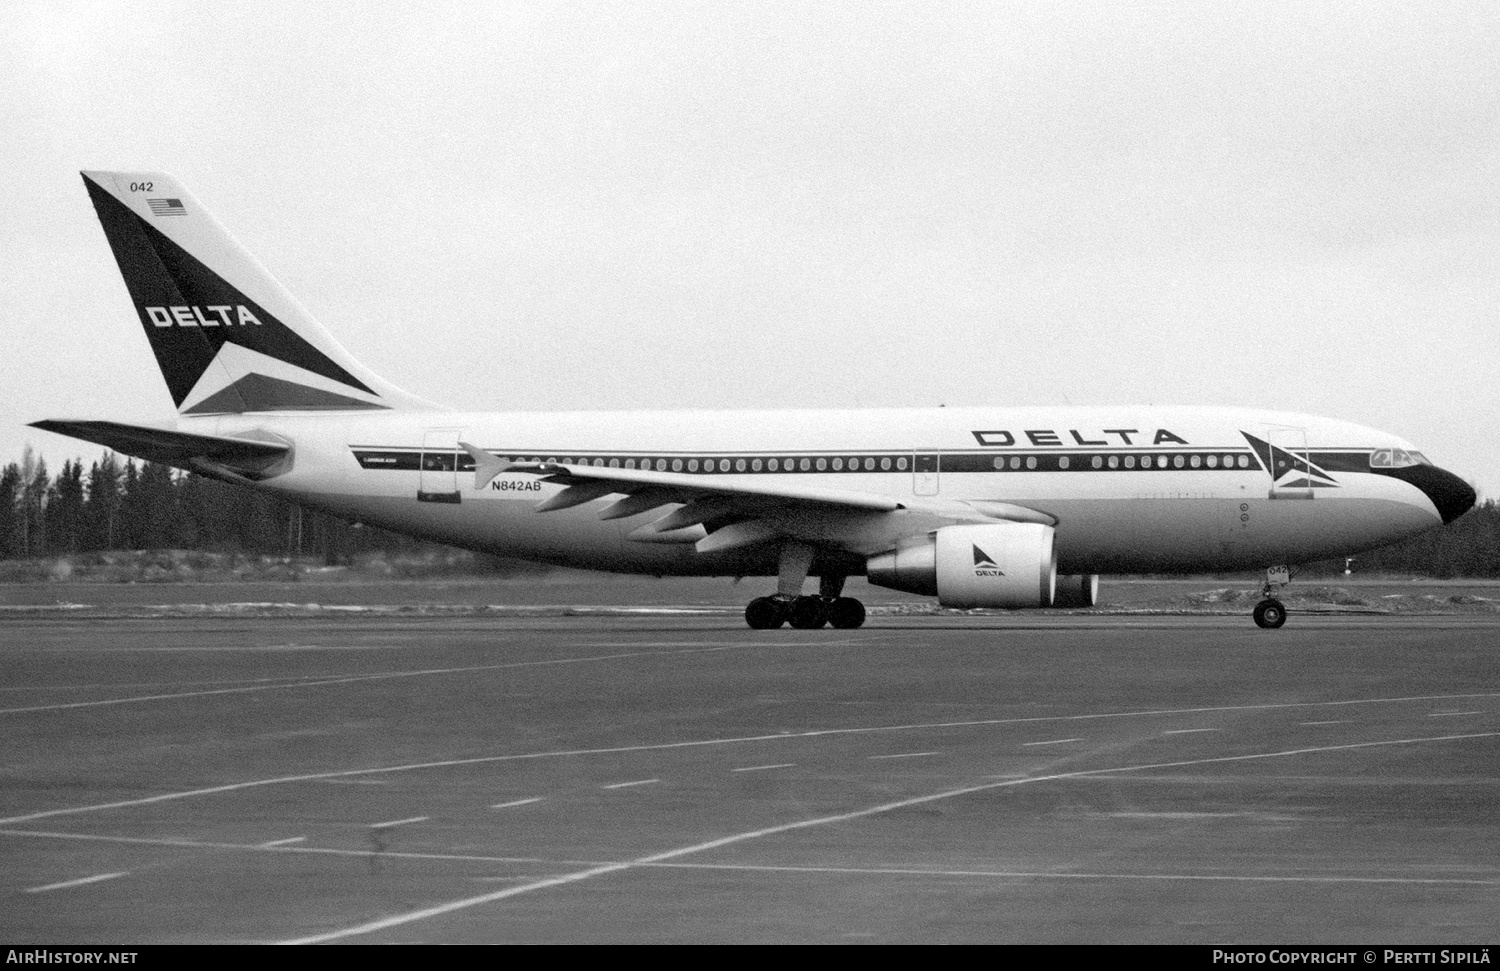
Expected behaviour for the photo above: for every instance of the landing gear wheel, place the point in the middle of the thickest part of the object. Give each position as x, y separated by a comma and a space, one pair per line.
1270, 614
846, 613
765, 613
808, 613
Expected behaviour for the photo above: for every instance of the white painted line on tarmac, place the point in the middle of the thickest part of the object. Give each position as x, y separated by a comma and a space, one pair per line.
424, 913
627, 785
762, 768
1074, 874
516, 802
400, 822
904, 755
1189, 731
187, 844
694, 743
1055, 741
679, 865
351, 679
1448, 714
74, 883
286, 842
1344, 721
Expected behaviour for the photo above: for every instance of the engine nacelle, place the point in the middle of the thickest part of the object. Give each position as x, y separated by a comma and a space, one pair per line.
992, 565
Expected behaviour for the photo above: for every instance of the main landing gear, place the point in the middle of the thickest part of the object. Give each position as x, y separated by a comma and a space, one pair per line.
789, 606
805, 613
1270, 613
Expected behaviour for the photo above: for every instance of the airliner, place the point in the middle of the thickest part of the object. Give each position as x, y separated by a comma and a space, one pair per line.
978, 507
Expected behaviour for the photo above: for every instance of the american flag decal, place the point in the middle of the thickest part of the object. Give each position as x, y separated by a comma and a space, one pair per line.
166, 207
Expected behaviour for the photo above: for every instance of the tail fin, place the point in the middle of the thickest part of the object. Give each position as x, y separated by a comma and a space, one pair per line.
227, 336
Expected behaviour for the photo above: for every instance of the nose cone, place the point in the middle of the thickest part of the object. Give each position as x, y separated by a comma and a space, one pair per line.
1451, 495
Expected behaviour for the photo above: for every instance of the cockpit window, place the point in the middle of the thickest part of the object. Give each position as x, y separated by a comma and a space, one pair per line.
1396, 458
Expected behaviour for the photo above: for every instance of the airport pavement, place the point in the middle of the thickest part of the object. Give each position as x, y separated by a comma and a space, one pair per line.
664, 778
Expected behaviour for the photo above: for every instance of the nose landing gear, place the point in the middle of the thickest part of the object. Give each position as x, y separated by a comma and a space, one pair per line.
1270, 613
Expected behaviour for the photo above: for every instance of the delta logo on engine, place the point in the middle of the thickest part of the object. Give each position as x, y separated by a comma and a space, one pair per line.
985, 565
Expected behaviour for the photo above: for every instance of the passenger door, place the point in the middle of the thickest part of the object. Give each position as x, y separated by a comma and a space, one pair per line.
439, 482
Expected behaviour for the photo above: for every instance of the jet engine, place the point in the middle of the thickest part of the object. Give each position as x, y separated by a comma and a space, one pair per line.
991, 565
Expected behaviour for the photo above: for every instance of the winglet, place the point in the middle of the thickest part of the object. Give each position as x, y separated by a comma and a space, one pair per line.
486, 466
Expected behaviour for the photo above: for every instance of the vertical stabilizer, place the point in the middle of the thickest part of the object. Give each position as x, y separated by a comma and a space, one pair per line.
227, 336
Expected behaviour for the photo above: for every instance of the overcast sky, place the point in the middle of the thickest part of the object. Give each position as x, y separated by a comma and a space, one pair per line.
671, 205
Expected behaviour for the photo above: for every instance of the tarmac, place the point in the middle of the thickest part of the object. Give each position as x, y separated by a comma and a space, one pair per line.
644, 775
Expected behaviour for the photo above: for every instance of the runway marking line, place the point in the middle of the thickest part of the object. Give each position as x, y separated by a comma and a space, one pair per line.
1189, 731
286, 842
1447, 714
351, 679
578, 876
81, 881
903, 755
762, 768
1054, 741
1344, 721
516, 802
668, 865
692, 743
627, 785
400, 822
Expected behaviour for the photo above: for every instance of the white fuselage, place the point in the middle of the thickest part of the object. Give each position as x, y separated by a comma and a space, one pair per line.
1140, 489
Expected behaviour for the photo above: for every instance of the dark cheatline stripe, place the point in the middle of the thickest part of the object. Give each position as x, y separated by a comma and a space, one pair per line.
1216, 460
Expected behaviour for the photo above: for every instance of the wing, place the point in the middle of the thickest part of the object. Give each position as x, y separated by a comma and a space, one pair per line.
221, 456
722, 512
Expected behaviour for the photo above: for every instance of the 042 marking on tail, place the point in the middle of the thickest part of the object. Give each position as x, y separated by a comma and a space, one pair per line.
978, 507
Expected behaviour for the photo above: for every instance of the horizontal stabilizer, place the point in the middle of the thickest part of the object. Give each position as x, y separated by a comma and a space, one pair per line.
248, 457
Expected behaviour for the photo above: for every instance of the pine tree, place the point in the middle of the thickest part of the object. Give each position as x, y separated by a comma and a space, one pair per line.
103, 503
10, 512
